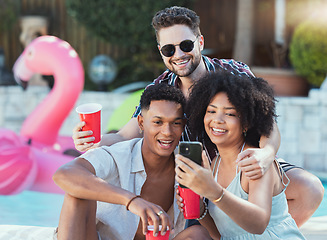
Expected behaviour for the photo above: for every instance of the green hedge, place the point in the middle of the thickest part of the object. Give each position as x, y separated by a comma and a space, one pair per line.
9, 11
308, 50
127, 24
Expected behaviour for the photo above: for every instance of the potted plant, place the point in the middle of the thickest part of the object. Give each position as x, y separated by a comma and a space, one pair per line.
308, 50
285, 82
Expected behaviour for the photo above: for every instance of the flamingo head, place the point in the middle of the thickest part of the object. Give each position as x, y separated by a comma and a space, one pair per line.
44, 55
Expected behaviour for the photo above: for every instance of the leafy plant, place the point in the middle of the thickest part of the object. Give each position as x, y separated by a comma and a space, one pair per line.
308, 50
9, 10
127, 24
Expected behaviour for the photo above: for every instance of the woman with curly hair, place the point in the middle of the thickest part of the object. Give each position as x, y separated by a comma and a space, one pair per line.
232, 111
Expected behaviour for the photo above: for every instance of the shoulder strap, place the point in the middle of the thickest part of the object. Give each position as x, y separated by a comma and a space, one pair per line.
282, 174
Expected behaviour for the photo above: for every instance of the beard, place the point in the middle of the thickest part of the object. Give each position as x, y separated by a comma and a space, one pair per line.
192, 66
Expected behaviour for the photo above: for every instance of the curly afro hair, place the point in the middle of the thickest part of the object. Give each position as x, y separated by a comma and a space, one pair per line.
159, 92
252, 97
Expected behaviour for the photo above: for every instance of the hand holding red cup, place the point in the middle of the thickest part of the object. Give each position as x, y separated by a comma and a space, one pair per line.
90, 113
149, 235
191, 202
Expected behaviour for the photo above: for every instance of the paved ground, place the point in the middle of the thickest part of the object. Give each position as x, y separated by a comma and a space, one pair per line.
315, 228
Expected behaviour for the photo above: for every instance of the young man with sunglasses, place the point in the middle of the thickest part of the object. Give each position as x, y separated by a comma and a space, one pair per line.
180, 44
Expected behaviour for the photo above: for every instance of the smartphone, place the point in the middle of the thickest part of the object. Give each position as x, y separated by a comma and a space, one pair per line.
191, 150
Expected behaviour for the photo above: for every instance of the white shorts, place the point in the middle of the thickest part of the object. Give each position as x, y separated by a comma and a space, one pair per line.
55, 234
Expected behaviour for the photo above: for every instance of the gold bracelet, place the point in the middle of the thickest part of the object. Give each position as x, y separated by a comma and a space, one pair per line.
129, 202
219, 199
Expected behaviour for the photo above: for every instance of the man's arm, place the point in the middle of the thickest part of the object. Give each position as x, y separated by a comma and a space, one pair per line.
129, 131
82, 139
254, 162
272, 143
78, 179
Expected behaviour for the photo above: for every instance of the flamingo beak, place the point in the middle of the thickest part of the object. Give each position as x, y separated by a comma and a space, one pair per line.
21, 72
22, 83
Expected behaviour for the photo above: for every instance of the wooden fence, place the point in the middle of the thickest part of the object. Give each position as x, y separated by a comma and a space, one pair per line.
218, 18
61, 25
218, 25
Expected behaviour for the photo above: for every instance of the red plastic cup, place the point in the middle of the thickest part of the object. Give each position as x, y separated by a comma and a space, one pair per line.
191, 202
149, 235
90, 113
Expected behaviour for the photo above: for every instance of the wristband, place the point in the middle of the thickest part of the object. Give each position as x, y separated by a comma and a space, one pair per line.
129, 202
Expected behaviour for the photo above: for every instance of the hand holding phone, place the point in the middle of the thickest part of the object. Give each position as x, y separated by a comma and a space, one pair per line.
191, 200
191, 150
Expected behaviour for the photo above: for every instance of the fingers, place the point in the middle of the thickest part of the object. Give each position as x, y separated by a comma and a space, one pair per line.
151, 214
81, 138
247, 161
251, 168
154, 215
165, 222
179, 201
254, 174
181, 166
182, 171
178, 176
157, 217
82, 145
206, 163
78, 127
185, 170
245, 155
82, 134
144, 220
259, 157
185, 163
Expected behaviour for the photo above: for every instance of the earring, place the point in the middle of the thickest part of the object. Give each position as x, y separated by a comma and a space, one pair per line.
140, 131
244, 133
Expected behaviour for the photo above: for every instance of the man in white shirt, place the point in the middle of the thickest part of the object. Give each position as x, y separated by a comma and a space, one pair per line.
110, 189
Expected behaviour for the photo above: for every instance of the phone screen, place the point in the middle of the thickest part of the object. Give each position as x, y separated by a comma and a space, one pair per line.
191, 150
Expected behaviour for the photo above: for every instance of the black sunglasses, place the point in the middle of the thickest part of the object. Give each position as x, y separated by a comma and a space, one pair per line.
186, 46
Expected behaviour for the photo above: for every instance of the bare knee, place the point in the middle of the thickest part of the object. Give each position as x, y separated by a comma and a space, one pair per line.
77, 202
77, 219
317, 189
305, 186
304, 194
195, 232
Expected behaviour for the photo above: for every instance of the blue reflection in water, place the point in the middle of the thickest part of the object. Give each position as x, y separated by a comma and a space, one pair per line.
31, 208
43, 209
322, 209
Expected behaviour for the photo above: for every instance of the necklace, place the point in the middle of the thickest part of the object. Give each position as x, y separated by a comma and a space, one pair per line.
218, 156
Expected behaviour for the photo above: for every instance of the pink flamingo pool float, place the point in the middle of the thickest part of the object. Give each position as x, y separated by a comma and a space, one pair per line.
28, 160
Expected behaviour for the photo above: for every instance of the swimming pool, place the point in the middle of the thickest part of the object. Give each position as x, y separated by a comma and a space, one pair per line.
43, 209
322, 209
31, 208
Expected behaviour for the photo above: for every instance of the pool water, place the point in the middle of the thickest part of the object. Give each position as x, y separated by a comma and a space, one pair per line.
322, 209
31, 208
43, 209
